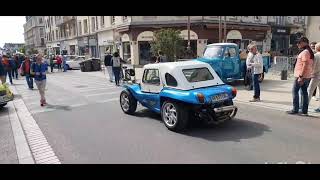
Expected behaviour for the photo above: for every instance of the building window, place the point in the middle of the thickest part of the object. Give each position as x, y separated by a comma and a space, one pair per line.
41, 32
124, 18
93, 24
113, 19
257, 18
42, 41
40, 21
102, 21
85, 26
80, 28
57, 34
97, 27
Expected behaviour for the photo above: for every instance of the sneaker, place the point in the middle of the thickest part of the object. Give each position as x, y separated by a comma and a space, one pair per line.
255, 100
314, 98
304, 114
292, 112
317, 110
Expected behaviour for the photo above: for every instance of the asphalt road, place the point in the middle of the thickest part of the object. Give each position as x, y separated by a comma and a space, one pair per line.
85, 124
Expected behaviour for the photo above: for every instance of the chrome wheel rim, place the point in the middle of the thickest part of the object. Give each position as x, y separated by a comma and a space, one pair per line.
169, 114
124, 100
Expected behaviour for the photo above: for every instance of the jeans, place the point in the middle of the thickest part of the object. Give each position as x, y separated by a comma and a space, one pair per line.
29, 81
110, 73
314, 83
116, 72
9, 73
64, 67
256, 85
295, 95
42, 87
52, 66
15, 72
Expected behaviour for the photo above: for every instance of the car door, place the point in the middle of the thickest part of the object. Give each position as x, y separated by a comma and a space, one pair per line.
151, 86
231, 63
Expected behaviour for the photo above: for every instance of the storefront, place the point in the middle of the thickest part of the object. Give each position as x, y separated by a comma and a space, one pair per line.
280, 40
144, 47
126, 47
105, 42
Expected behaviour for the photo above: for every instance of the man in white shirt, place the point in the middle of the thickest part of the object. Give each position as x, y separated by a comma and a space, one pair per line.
255, 63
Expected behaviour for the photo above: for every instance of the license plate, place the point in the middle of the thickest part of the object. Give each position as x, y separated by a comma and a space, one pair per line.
220, 97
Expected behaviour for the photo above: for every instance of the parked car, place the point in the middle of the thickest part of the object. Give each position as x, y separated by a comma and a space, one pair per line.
180, 91
73, 61
225, 60
5, 95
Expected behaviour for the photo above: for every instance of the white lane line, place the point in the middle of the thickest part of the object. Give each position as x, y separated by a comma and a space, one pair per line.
276, 107
106, 93
109, 100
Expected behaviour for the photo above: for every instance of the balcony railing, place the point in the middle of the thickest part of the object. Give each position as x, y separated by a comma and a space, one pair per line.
64, 19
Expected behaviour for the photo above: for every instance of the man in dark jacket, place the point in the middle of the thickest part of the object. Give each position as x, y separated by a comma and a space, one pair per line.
2, 72
108, 65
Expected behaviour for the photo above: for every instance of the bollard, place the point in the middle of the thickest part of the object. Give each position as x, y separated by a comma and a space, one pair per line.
284, 75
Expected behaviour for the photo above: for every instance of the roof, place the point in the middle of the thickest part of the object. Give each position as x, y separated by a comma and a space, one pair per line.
223, 44
176, 70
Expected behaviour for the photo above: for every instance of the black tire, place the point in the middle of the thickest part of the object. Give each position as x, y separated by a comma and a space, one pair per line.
182, 117
261, 77
132, 102
2, 105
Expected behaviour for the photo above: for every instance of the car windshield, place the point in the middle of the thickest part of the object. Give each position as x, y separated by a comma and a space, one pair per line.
197, 74
213, 51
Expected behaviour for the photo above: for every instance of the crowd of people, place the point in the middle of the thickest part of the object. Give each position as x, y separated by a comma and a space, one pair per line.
306, 73
113, 64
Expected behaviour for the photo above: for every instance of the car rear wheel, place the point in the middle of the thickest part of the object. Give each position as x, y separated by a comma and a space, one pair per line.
127, 102
174, 116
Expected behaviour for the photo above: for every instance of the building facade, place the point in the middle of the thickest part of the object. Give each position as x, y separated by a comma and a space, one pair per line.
313, 28
34, 34
12, 47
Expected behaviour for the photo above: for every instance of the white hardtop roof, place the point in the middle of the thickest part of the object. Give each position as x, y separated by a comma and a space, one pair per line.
175, 69
222, 44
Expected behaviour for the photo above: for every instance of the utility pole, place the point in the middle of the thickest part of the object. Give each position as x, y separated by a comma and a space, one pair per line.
188, 33
220, 29
225, 29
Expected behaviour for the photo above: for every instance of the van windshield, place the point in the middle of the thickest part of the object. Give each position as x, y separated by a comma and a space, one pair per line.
213, 52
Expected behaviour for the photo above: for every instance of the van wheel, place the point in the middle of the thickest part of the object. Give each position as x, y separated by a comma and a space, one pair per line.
174, 116
127, 102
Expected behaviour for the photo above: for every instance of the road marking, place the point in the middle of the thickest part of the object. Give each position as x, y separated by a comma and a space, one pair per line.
96, 89
109, 100
106, 93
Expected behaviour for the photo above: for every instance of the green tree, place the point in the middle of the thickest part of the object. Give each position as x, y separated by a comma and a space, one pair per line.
22, 49
169, 42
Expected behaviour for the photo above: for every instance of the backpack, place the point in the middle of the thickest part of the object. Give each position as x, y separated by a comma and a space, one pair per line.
116, 61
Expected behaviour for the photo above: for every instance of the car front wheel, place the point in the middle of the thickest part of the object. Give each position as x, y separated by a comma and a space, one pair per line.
174, 116
127, 102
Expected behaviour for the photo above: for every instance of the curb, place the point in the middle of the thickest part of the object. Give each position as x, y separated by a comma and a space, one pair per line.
38, 147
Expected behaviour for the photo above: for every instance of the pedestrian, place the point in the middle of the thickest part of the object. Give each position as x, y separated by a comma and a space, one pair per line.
7, 67
161, 58
25, 71
116, 67
2, 72
59, 62
302, 74
39, 70
52, 62
254, 62
64, 62
315, 75
313, 47
15, 67
108, 65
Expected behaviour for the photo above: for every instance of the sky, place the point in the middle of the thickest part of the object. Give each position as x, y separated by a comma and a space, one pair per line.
11, 29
